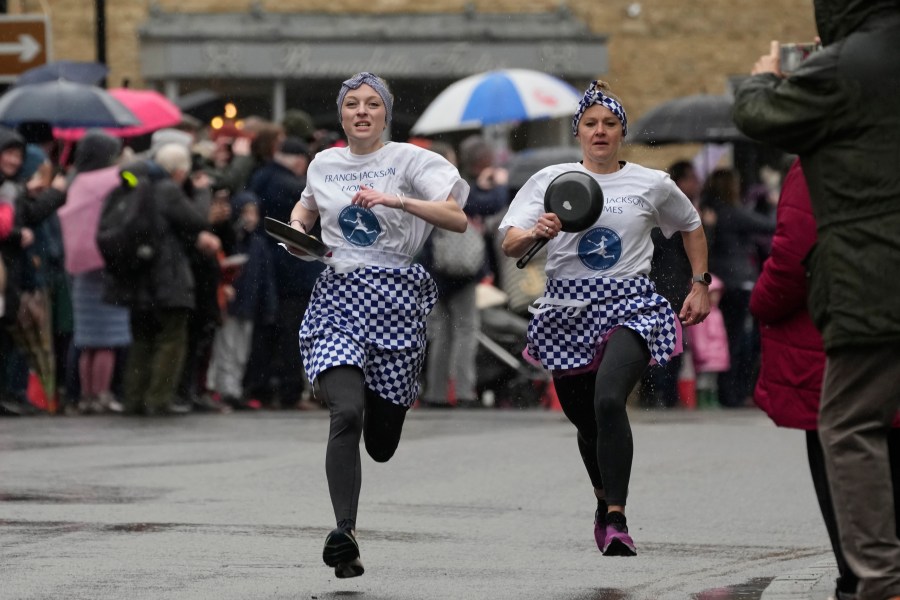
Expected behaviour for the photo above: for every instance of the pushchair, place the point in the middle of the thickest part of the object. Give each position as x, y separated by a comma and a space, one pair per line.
505, 379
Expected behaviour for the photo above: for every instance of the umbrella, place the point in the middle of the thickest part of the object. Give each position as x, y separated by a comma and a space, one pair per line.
202, 104
495, 97
702, 118
90, 73
526, 163
154, 111
63, 103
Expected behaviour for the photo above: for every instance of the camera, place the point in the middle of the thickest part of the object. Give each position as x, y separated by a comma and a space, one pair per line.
791, 55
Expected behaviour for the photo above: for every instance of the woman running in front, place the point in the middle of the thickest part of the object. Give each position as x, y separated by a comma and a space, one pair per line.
600, 321
363, 336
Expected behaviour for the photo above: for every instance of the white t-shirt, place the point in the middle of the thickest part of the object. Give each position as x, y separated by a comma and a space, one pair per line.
618, 244
335, 175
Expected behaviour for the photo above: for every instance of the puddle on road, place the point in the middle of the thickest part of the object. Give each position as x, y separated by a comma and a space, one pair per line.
751, 590
82, 495
602, 594
200, 528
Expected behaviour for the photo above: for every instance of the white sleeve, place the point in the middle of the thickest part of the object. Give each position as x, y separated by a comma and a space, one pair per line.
528, 205
675, 211
434, 178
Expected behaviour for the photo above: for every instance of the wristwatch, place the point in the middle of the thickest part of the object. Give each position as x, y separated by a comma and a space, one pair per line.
705, 278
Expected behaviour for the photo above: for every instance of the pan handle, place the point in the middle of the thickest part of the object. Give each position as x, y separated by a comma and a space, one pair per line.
535, 248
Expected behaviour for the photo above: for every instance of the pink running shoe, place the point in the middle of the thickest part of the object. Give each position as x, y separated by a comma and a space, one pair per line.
617, 542
600, 527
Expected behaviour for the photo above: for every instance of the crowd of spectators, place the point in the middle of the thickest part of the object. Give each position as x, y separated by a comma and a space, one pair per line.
214, 327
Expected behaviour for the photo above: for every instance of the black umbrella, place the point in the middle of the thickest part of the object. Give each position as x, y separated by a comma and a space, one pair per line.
64, 104
202, 104
90, 73
702, 118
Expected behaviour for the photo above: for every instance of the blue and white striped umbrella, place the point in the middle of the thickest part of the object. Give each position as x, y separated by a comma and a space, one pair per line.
504, 96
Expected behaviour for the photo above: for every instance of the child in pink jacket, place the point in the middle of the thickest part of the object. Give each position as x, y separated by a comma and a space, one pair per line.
709, 348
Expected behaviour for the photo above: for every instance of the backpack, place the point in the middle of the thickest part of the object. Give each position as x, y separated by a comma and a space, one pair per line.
129, 231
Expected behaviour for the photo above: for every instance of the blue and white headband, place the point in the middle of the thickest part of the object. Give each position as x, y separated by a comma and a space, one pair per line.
376, 83
594, 96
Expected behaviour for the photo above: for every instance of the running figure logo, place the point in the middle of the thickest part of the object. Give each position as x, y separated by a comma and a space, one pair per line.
359, 225
600, 248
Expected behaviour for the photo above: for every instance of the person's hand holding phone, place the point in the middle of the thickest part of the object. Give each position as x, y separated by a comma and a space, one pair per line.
769, 63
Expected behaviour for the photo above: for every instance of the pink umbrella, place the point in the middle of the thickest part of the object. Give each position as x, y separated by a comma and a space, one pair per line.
154, 110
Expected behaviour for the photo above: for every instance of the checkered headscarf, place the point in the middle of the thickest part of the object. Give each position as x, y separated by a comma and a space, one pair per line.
594, 96
376, 83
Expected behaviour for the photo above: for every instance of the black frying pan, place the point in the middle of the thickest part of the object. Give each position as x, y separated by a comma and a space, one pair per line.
576, 199
297, 239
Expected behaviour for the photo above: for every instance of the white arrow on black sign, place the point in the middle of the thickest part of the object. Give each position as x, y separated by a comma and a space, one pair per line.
27, 48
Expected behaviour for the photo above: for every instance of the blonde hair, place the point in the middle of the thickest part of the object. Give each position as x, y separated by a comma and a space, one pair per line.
604, 87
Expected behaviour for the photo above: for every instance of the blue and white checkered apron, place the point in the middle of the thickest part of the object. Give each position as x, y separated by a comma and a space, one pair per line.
372, 318
574, 316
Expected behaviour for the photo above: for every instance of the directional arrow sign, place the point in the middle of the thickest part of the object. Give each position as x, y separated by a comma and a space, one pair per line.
24, 44
26, 48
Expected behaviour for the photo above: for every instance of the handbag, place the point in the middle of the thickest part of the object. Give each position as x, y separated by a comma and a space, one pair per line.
458, 255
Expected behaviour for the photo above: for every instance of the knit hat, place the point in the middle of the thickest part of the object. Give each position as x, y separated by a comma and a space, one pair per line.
34, 157
294, 146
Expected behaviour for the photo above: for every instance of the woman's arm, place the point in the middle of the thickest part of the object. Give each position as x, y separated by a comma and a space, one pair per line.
517, 241
696, 305
446, 214
302, 218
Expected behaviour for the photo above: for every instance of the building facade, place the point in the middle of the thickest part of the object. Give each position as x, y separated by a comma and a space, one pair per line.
271, 55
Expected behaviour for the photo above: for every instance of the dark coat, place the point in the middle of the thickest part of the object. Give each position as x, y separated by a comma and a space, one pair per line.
278, 190
839, 113
254, 288
21, 272
168, 282
732, 252
792, 362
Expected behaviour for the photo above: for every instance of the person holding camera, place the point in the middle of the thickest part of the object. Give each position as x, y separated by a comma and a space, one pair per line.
601, 322
838, 112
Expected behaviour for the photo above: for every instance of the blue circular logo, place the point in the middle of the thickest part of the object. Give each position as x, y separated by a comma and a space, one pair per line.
600, 248
359, 225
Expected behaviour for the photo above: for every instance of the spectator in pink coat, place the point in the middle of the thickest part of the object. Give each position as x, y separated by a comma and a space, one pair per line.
100, 328
793, 357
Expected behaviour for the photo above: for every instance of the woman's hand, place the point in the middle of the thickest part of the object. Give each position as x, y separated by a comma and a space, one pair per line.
547, 226
367, 198
518, 241
446, 214
696, 305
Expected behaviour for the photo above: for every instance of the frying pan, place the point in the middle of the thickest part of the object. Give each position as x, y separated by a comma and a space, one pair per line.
296, 239
576, 198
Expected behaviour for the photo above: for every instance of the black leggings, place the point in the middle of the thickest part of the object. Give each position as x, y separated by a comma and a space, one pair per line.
355, 410
595, 404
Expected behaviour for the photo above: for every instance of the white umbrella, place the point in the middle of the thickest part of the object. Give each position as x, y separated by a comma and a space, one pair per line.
495, 97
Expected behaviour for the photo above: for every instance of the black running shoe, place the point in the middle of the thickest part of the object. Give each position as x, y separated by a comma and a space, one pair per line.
342, 552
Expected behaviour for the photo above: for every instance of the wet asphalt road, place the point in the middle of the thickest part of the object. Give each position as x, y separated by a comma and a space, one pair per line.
475, 505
